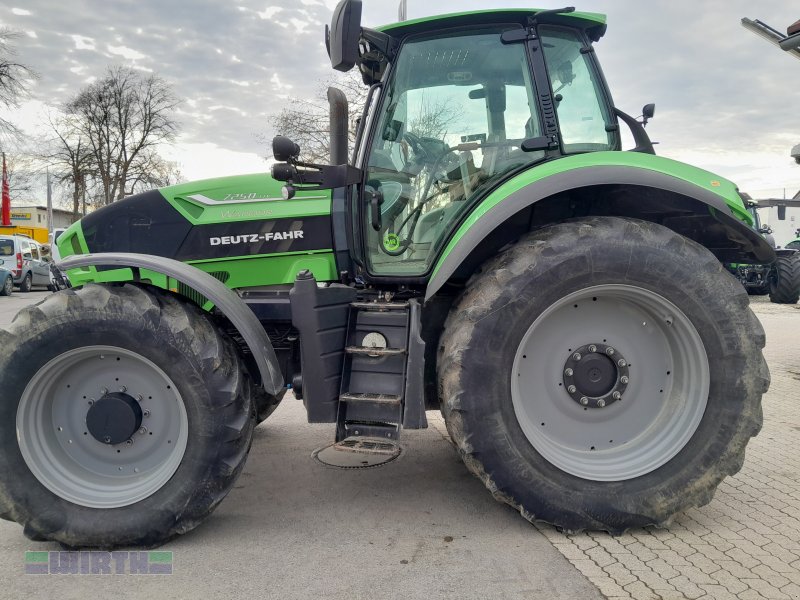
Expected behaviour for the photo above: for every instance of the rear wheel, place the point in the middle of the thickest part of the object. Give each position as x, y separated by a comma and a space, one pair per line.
785, 285
591, 385
26, 283
8, 286
126, 417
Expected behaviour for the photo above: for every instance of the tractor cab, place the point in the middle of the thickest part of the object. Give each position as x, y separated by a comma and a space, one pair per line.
459, 104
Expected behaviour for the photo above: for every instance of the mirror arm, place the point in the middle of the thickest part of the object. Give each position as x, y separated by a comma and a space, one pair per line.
640, 137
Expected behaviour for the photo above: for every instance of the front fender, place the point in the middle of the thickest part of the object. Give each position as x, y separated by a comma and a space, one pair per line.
718, 197
225, 299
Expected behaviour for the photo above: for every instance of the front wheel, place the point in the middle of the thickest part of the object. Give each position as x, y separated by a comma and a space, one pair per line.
593, 385
125, 417
785, 285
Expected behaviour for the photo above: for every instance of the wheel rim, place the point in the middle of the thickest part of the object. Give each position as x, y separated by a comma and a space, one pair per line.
80, 386
9, 286
659, 406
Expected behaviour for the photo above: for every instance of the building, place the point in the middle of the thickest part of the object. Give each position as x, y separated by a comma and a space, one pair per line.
784, 229
36, 216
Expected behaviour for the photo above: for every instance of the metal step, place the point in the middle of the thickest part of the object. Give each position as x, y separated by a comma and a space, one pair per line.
387, 431
380, 305
371, 398
374, 352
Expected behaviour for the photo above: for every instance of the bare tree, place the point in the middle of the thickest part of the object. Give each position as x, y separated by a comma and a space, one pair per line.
151, 170
71, 159
307, 123
122, 118
23, 170
14, 78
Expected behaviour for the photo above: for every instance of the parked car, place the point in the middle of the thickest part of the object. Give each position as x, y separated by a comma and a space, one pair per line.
6, 282
23, 257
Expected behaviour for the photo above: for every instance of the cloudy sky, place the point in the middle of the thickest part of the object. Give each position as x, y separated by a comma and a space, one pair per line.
726, 99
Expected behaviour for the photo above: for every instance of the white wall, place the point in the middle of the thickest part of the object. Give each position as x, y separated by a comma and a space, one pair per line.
784, 231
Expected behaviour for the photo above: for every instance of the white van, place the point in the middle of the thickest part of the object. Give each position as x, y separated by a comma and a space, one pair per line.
23, 257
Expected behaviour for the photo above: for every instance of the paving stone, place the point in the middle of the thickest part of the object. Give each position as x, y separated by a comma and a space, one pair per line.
766, 589
641, 592
718, 592
620, 574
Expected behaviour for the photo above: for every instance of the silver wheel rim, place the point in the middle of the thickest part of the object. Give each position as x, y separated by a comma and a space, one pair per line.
9, 286
63, 455
663, 400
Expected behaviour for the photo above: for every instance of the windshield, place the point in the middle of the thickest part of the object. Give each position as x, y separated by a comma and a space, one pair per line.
582, 111
453, 116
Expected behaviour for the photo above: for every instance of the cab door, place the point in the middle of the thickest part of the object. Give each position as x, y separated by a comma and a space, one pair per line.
448, 128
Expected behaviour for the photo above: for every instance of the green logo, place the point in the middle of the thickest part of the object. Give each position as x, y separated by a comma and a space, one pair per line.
391, 241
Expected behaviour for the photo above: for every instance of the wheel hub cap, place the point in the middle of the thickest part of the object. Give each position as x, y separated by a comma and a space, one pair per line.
114, 418
596, 375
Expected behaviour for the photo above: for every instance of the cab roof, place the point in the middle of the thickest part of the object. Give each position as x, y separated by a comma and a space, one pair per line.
582, 20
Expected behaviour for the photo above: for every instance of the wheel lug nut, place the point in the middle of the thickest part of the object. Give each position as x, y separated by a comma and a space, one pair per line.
616, 395
146, 413
129, 442
139, 398
576, 356
621, 362
103, 391
142, 430
123, 389
584, 400
107, 439
592, 348
568, 372
610, 351
601, 403
624, 379
571, 389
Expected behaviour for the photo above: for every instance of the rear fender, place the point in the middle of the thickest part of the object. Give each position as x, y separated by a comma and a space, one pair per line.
612, 183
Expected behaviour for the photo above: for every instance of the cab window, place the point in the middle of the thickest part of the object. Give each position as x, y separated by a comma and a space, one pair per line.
455, 111
582, 110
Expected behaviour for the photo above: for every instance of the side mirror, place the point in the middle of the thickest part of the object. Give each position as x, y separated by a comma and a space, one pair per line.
343, 35
648, 112
284, 149
27, 256
765, 229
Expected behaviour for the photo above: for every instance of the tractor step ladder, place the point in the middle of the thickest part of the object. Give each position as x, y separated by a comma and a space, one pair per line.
372, 398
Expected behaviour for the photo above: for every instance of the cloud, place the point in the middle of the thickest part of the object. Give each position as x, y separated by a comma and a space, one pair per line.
125, 52
21, 12
83, 43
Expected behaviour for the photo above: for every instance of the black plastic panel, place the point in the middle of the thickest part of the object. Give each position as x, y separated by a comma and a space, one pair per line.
320, 315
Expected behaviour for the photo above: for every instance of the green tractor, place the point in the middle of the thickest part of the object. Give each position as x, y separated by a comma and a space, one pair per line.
488, 250
779, 279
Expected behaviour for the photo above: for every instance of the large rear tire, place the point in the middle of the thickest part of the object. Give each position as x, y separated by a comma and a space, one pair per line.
122, 354
785, 286
592, 385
